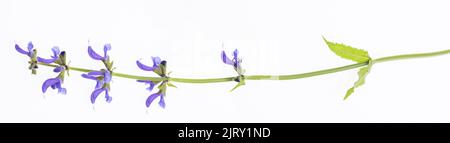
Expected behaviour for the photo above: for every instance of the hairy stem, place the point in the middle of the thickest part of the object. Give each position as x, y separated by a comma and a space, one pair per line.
271, 77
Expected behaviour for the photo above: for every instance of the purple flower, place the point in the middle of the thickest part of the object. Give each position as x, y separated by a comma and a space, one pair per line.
152, 97
103, 79
96, 56
53, 58
96, 92
158, 68
59, 58
55, 83
235, 62
30, 53
150, 83
156, 62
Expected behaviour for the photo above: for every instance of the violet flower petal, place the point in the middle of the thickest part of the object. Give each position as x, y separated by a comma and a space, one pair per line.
95, 94
144, 67
58, 69
30, 49
49, 82
144, 81
107, 77
30, 46
236, 61
150, 88
89, 76
108, 98
94, 55
48, 61
235, 54
95, 73
99, 84
106, 48
156, 61
20, 50
225, 59
61, 90
151, 98
55, 51
162, 103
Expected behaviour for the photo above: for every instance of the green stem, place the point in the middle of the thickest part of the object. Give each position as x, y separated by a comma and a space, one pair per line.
304, 75
114, 73
272, 77
204, 80
410, 56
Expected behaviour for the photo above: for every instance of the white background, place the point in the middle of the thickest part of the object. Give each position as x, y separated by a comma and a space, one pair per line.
273, 37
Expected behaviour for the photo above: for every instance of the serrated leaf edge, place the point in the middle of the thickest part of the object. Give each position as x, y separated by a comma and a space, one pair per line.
354, 57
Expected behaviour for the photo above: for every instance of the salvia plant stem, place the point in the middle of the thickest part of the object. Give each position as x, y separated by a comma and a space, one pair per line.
104, 75
270, 77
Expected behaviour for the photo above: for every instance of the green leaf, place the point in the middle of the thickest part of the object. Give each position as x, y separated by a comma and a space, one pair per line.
348, 52
362, 73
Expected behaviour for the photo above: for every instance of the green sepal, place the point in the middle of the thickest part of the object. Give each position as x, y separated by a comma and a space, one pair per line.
160, 70
171, 85
163, 86
110, 65
238, 85
33, 62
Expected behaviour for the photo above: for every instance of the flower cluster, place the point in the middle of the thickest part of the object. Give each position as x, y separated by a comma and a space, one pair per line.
159, 67
60, 59
103, 76
32, 54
